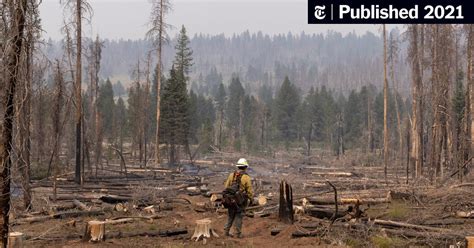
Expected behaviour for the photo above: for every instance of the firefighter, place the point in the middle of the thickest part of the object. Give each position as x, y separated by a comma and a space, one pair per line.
236, 211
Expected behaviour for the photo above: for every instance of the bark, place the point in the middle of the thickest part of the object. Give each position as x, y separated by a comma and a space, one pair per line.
470, 80
286, 203
417, 95
11, 81
385, 104
158, 84
78, 90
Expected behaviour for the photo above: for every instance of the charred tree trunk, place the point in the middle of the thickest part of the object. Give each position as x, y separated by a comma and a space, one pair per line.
385, 104
78, 91
285, 213
12, 57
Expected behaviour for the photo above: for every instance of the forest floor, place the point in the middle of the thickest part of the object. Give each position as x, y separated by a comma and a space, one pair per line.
430, 213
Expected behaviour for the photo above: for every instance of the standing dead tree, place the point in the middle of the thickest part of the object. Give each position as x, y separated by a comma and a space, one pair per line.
285, 213
158, 35
469, 144
95, 50
393, 50
385, 104
24, 94
15, 20
417, 95
78, 8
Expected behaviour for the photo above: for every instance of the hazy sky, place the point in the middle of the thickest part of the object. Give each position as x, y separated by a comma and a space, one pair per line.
128, 18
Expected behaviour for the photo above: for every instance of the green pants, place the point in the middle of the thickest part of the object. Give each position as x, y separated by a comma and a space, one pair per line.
234, 215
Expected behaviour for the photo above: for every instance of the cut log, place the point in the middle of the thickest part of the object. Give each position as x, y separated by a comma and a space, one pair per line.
120, 207
465, 214
203, 229
216, 197
261, 200
285, 213
95, 231
15, 240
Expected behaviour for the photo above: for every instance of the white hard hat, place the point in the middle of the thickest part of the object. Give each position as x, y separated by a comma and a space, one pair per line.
242, 163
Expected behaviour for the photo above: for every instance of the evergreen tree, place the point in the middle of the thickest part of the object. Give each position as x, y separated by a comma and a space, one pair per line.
234, 107
459, 102
120, 117
194, 117
220, 99
183, 59
286, 105
106, 106
174, 122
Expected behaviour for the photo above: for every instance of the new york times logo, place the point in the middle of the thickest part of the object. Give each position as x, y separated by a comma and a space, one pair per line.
390, 11
319, 12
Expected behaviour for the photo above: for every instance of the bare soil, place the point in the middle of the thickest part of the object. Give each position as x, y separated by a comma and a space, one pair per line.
433, 206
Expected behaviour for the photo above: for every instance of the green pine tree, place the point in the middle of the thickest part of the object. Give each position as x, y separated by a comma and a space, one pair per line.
174, 122
286, 105
106, 106
183, 59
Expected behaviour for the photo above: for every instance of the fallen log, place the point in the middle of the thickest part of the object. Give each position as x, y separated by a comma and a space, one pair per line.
444, 222
396, 224
80, 205
61, 215
345, 201
424, 234
462, 185
112, 199
160, 233
324, 213
336, 174
300, 233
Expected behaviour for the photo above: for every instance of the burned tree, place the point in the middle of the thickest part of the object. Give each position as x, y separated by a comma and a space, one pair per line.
78, 8
158, 34
385, 104
16, 22
417, 95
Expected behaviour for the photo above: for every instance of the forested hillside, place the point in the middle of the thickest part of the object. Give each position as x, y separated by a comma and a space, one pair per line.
340, 62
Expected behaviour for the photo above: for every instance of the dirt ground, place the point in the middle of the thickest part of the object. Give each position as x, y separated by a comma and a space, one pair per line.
433, 206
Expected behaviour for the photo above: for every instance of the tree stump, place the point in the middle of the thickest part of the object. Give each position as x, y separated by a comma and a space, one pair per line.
203, 229
470, 241
15, 240
95, 231
285, 213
